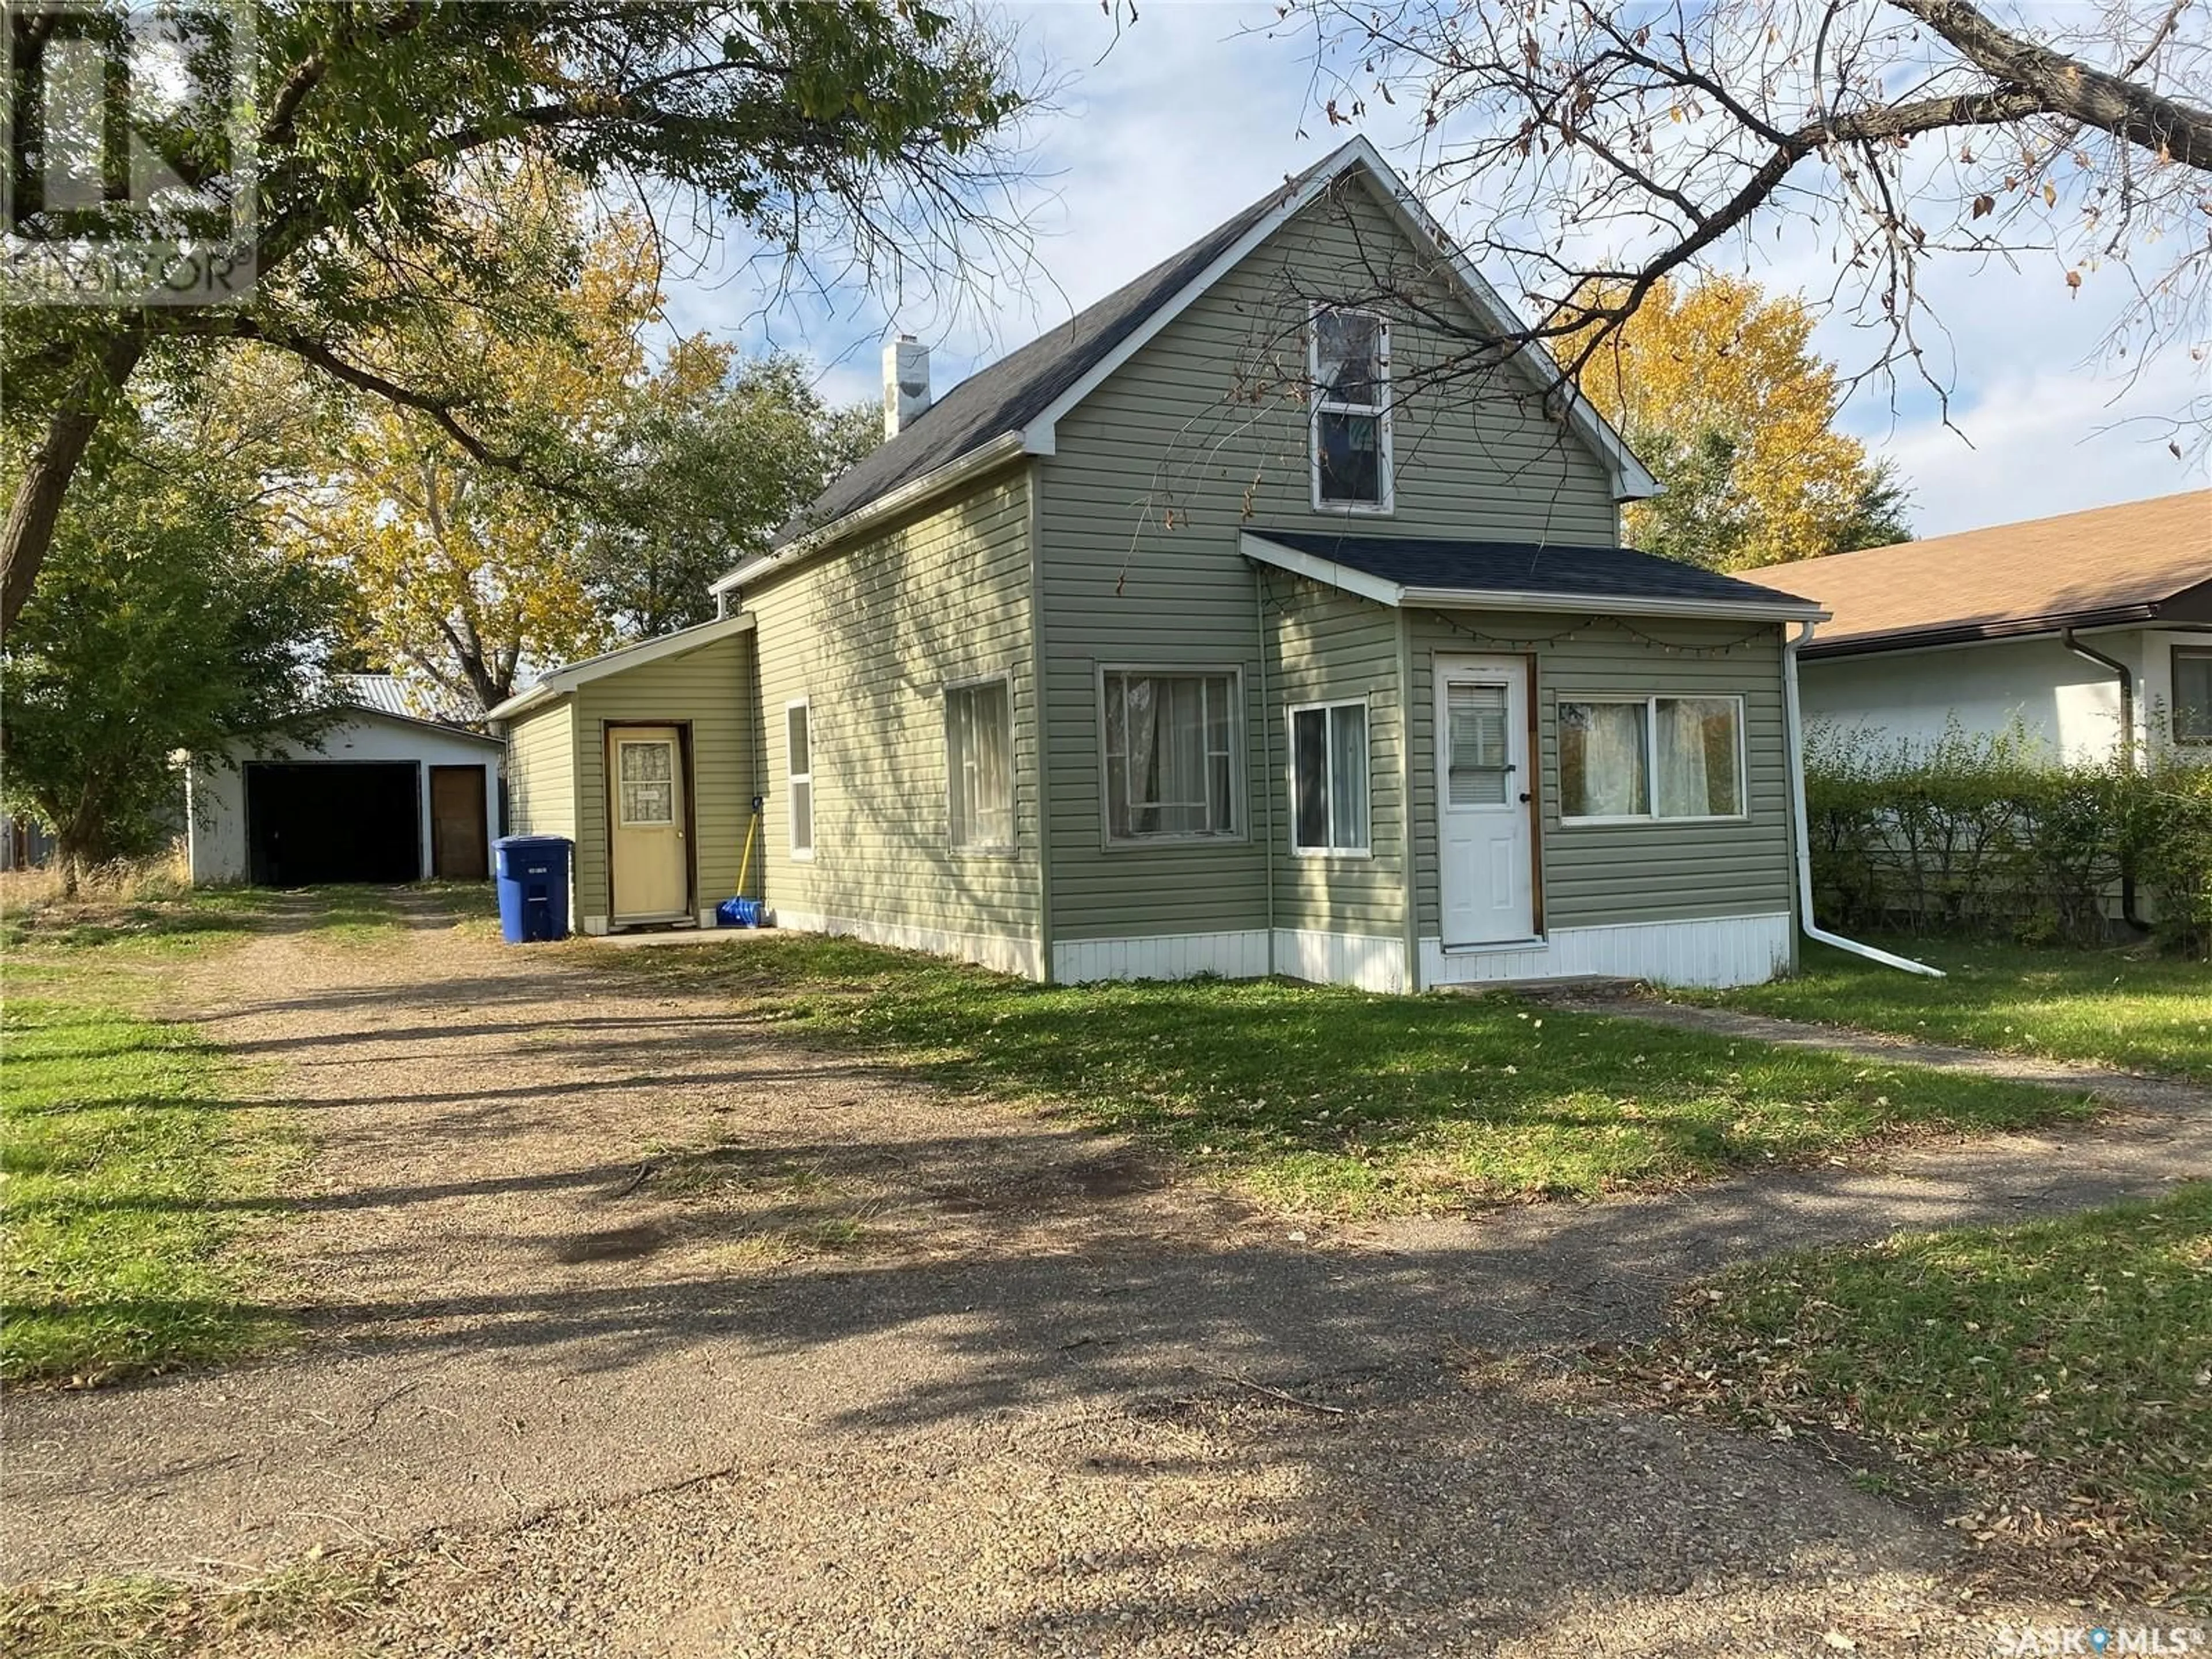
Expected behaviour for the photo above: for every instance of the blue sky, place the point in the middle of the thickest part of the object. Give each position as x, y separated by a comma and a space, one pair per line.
1195, 110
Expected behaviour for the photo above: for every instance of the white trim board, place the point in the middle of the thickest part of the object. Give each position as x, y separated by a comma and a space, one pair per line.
1006, 953
1710, 951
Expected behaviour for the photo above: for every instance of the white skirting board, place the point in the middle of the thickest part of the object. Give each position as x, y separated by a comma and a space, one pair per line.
1371, 963
1162, 955
1708, 950
1006, 953
1366, 960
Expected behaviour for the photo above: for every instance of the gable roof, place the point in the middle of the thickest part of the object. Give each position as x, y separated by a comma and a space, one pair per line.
1409, 570
1022, 396
566, 679
2138, 561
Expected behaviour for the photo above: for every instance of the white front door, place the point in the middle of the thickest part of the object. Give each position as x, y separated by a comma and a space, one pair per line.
1485, 847
651, 866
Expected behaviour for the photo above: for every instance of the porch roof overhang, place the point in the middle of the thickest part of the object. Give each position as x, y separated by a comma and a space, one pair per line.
1403, 571
562, 681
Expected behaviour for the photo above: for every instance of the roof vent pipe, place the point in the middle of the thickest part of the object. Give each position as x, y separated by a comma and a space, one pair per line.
906, 384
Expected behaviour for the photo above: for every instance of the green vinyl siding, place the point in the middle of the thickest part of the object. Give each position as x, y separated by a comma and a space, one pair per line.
1202, 434
869, 635
708, 690
1328, 647
1597, 874
541, 772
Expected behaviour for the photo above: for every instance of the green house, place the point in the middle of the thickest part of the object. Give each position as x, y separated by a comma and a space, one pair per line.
1248, 622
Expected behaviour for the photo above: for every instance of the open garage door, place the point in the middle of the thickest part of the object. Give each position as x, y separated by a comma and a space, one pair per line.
312, 822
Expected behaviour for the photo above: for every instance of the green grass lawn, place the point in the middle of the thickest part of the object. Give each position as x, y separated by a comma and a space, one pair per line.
130, 1183
2060, 1371
1313, 1098
184, 922
2113, 1008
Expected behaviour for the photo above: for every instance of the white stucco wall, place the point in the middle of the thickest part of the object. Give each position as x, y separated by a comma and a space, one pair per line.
215, 800
2065, 701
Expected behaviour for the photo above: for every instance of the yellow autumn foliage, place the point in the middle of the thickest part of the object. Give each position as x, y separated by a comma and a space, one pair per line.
468, 574
1717, 386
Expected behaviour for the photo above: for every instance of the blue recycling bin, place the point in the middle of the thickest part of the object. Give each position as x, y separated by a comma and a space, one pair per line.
533, 888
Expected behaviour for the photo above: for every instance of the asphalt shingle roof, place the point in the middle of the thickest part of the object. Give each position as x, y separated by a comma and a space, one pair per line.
1021, 385
1526, 568
2012, 578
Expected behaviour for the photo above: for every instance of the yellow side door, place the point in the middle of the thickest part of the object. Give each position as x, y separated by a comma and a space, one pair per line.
652, 871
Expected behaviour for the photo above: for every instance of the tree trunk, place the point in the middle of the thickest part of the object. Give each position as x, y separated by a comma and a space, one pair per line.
46, 480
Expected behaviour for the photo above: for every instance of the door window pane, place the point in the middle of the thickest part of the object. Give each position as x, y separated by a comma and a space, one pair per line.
647, 781
1171, 760
1603, 756
1477, 745
979, 760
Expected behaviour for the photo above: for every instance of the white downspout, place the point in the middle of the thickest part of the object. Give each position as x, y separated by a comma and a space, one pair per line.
1793, 736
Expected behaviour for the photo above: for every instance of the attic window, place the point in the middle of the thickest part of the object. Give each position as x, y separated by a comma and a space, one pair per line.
1350, 362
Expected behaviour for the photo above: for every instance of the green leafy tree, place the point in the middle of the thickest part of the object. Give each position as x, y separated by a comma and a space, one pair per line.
165, 625
715, 463
863, 131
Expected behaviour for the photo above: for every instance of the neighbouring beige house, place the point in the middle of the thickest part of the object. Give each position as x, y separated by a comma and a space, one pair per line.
2076, 631
1218, 631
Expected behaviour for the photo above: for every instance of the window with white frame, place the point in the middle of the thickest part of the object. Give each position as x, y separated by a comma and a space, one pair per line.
979, 764
799, 776
1170, 746
1328, 778
2192, 694
1650, 757
1350, 364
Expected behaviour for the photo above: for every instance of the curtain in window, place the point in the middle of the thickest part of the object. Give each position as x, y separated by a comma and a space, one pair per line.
1697, 758
1601, 760
1169, 768
980, 762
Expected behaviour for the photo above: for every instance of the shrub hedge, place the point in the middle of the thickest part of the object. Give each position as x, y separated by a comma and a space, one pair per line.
1987, 835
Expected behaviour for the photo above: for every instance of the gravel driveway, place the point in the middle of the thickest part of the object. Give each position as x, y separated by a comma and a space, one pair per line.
636, 1328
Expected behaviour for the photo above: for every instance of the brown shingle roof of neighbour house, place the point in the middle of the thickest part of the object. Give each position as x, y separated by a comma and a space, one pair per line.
2139, 562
